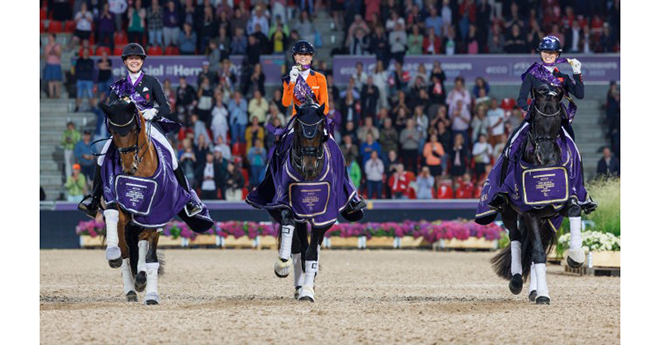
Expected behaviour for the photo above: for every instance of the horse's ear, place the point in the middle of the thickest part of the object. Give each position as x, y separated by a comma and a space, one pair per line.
322, 109
297, 108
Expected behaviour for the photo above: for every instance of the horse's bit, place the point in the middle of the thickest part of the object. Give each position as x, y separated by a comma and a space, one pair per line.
137, 159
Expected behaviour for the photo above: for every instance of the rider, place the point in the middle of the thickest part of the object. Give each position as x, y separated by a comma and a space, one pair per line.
534, 78
143, 89
303, 53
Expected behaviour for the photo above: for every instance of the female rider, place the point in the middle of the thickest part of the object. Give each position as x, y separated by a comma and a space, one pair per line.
144, 90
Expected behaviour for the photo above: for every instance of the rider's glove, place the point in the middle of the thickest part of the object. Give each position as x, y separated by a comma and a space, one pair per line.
576, 65
149, 114
293, 74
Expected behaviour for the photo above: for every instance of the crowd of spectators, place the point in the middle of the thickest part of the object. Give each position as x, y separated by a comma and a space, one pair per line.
403, 135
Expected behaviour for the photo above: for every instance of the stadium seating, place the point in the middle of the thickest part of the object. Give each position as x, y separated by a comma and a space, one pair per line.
155, 51
55, 27
171, 50
101, 49
69, 26
445, 192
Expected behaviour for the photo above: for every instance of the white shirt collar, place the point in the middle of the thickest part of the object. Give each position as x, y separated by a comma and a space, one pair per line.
134, 76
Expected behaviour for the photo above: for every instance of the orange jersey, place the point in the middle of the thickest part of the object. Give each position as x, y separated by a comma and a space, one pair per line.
319, 86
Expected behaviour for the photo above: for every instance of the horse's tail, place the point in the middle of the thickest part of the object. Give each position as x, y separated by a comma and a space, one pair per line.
501, 263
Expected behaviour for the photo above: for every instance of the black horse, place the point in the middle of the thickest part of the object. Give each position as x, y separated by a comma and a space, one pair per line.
306, 172
531, 232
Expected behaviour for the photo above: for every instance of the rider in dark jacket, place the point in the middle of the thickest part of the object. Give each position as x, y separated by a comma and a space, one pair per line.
147, 92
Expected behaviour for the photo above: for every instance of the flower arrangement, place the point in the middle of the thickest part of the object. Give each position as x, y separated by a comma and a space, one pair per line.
90, 228
430, 231
594, 241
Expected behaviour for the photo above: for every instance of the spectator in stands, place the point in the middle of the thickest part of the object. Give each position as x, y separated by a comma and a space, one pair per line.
368, 128
220, 145
208, 73
222, 159
205, 100
440, 116
398, 40
358, 44
369, 98
234, 183
534, 35
481, 151
415, 41
219, 49
239, 42
106, 28
514, 120
171, 24
458, 156
187, 160
445, 139
495, 121
84, 20
201, 147
238, 117
496, 40
257, 82
155, 24
199, 129
499, 146
76, 185
352, 89
85, 80
104, 76
374, 170
136, 22
460, 119
431, 44
274, 113
354, 172
434, 155
228, 74
479, 124
421, 125
380, 77
368, 146
349, 108
434, 21
258, 107
450, 41
207, 28
186, 98
257, 159
480, 84
348, 149
458, 93
613, 114
209, 177
425, 183
516, 42
219, 124
399, 182
187, 40
388, 137
410, 138
390, 163
253, 133
472, 41
608, 165
258, 18
84, 156
53, 70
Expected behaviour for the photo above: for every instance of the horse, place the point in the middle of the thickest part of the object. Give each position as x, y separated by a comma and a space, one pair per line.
532, 230
139, 260
305, 183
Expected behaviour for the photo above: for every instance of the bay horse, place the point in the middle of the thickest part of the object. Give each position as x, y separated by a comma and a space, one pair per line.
139, 259
532, 230
306, 182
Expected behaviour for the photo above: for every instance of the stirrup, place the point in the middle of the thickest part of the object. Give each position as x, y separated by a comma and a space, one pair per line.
498, 202
89, 206
354, 206
192, 208
589, 206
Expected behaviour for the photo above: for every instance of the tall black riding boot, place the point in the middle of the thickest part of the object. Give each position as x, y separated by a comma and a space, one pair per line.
90, 204
192, 207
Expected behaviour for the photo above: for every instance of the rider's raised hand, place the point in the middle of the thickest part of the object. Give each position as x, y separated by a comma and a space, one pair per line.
149, 114
294, 73
576, 65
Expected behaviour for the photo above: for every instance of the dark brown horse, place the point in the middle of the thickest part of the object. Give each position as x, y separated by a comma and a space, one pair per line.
139, 260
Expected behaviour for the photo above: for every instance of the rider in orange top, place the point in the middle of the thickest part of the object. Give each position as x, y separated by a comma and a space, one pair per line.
303, 53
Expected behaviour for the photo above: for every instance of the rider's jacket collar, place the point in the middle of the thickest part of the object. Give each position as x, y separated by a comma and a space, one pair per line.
134, 76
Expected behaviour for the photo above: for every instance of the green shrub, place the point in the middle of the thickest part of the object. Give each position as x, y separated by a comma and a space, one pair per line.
607, 217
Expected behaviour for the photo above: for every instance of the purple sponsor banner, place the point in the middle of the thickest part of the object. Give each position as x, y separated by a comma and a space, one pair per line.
498, 69
172, 67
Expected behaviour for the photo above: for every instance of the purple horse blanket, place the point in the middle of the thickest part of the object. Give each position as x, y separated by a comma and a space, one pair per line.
529, 187
319, 201
153, 201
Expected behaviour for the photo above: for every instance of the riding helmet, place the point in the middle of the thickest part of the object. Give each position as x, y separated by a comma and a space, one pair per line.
302, 47
550, 43
133, 49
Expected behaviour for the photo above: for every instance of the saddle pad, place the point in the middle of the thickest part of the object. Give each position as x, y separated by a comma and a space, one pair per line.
135, 194
544, 186
309, 199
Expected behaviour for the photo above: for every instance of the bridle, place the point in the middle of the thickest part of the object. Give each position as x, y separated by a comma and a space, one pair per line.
308, 131
137, 147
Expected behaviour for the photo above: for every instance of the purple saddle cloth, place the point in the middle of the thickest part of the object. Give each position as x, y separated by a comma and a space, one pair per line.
319, 201
153, 201
529, 187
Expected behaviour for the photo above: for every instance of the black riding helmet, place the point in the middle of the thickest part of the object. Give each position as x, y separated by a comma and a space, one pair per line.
302, 47
550, 43
133, 49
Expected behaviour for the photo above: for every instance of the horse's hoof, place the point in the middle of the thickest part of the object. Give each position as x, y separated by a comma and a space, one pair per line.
113, 255
296, 294
532, 296
141, 281
283, 267
543, 300
306, 294
151, 299
516, 284
131, 296
575, 258
115, 263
